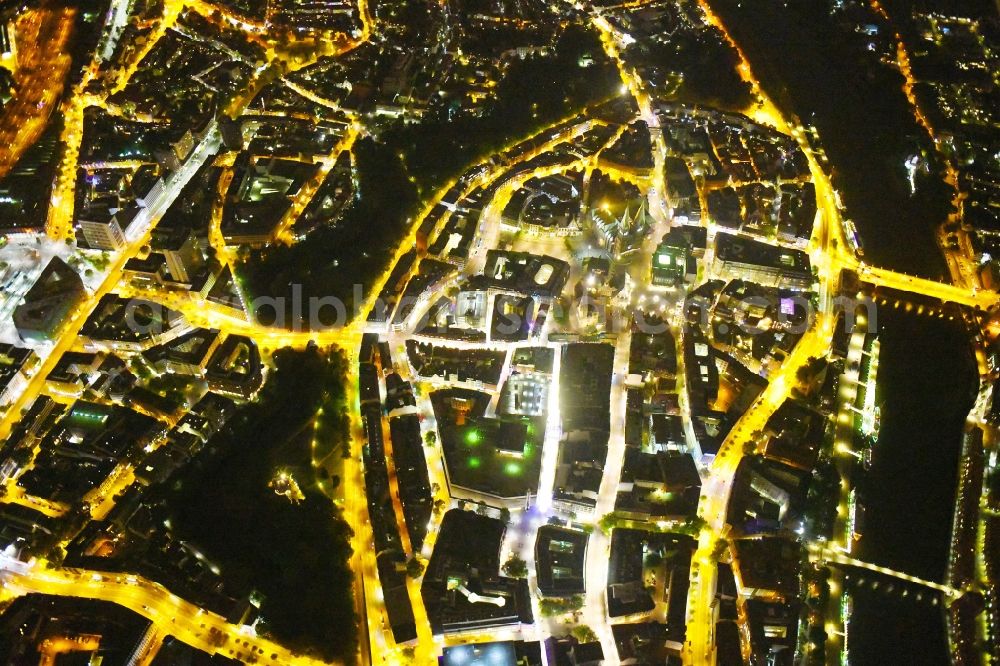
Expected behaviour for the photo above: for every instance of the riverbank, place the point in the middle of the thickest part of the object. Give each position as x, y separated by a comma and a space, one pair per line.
926, 386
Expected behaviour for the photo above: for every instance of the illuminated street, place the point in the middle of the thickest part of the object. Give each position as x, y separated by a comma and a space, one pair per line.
603, 384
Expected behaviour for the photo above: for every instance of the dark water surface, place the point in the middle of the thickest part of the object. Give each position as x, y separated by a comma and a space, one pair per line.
926, 384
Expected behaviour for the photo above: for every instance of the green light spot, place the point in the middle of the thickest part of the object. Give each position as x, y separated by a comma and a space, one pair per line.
472, 437
512, 468
473, 463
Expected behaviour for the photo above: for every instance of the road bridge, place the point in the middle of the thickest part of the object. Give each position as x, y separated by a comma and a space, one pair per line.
985, 299
838, 557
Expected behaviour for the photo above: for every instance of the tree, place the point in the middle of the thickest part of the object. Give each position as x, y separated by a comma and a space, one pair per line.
515, 567
692, 526
817, 635
608, 522
299, 603
430, 438
552, 607
505, 515
21, 456
414, 568
584, 634
809, 370
802, 374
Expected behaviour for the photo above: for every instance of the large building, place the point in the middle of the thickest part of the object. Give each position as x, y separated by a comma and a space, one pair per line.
462, 587
182, 251
560, 560
57, 292
737, 257
675, 259
14, 361
669, 264
109, 234
585, 386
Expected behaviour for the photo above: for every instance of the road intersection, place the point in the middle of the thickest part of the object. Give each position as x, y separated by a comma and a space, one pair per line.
831, 254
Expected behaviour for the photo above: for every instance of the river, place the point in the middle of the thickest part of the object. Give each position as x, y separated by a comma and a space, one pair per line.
926, 382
